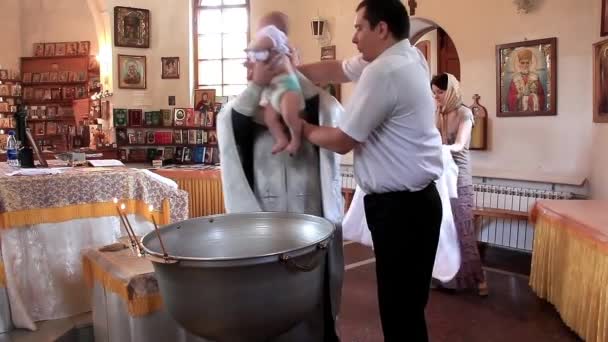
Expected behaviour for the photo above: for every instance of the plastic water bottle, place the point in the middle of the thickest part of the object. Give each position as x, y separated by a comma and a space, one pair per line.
12, 157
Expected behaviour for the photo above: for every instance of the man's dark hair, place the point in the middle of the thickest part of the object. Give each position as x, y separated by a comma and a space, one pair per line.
392, 12
440, 81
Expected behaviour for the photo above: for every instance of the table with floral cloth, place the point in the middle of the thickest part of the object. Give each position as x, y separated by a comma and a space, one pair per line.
570, 263
46, 220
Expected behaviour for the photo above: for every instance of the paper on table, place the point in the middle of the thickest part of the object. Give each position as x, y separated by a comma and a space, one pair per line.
34, 172
105, 162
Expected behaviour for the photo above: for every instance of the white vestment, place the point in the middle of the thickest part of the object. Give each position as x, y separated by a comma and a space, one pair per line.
253, 180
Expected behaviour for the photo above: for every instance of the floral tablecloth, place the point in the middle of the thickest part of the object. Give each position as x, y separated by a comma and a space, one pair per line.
85, 192
47, 220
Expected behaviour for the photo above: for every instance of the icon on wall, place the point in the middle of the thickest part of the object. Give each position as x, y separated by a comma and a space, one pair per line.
526, 78
131, 72
170, 67
131, 27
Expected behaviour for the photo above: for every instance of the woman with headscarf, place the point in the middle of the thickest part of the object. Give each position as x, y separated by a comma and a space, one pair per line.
455, 122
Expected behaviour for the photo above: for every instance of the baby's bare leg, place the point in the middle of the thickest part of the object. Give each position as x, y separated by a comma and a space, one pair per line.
276, 128
290, 108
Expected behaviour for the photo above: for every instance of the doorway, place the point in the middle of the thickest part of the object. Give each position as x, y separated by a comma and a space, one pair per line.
436, 45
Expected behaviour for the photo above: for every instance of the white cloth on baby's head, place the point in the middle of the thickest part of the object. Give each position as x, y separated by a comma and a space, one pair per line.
278, 37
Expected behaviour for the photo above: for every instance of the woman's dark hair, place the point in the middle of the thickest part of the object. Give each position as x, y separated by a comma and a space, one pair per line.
392, 12
440, 81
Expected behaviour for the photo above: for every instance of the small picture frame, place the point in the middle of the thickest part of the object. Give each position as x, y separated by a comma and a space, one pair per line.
210, 119
208, 155
49, 49
71, 49
38, 49
81, 92
328, 53
3, 74
84, 48
212, 138
150, 139
51, 111
69, 93
64, 76
179, 116
55, 93
204, 100
600, 82
15, 90
45, 77
28, 93
5, 90
136, 117
131, 72
59, 49
177, 136
170, 67
604, 28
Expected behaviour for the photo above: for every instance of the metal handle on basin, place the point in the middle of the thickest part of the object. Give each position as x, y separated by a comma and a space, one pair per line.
167, 260
316, 260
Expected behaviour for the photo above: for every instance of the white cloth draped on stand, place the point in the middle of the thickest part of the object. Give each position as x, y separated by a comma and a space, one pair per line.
447, 260
44, 269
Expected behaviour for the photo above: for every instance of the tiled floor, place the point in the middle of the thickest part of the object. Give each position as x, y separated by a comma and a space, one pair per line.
55, 330
511, 313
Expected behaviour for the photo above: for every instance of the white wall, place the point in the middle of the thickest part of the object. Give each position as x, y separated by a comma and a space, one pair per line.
169, 37
74, 20
55, 21
10, 34
533, 147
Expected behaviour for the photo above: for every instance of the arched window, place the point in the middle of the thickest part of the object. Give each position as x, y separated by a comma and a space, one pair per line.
221, 33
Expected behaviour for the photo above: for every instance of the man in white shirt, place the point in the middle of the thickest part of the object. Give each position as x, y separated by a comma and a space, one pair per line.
389, 123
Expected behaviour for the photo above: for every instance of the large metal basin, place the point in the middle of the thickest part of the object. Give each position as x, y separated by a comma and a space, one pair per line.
241, 277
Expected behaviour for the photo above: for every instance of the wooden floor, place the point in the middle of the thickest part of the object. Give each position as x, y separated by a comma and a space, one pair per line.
511, 313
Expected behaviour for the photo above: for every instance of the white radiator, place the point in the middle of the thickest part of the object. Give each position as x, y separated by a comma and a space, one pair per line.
510, 233
507, 195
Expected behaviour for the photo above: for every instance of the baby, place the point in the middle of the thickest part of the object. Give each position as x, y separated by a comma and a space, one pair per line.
283, 96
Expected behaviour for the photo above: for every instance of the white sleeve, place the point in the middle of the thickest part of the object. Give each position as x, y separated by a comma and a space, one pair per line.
247, 101
370, 104
353, 67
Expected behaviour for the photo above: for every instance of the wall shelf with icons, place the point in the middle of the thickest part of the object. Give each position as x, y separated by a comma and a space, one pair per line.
10, 94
